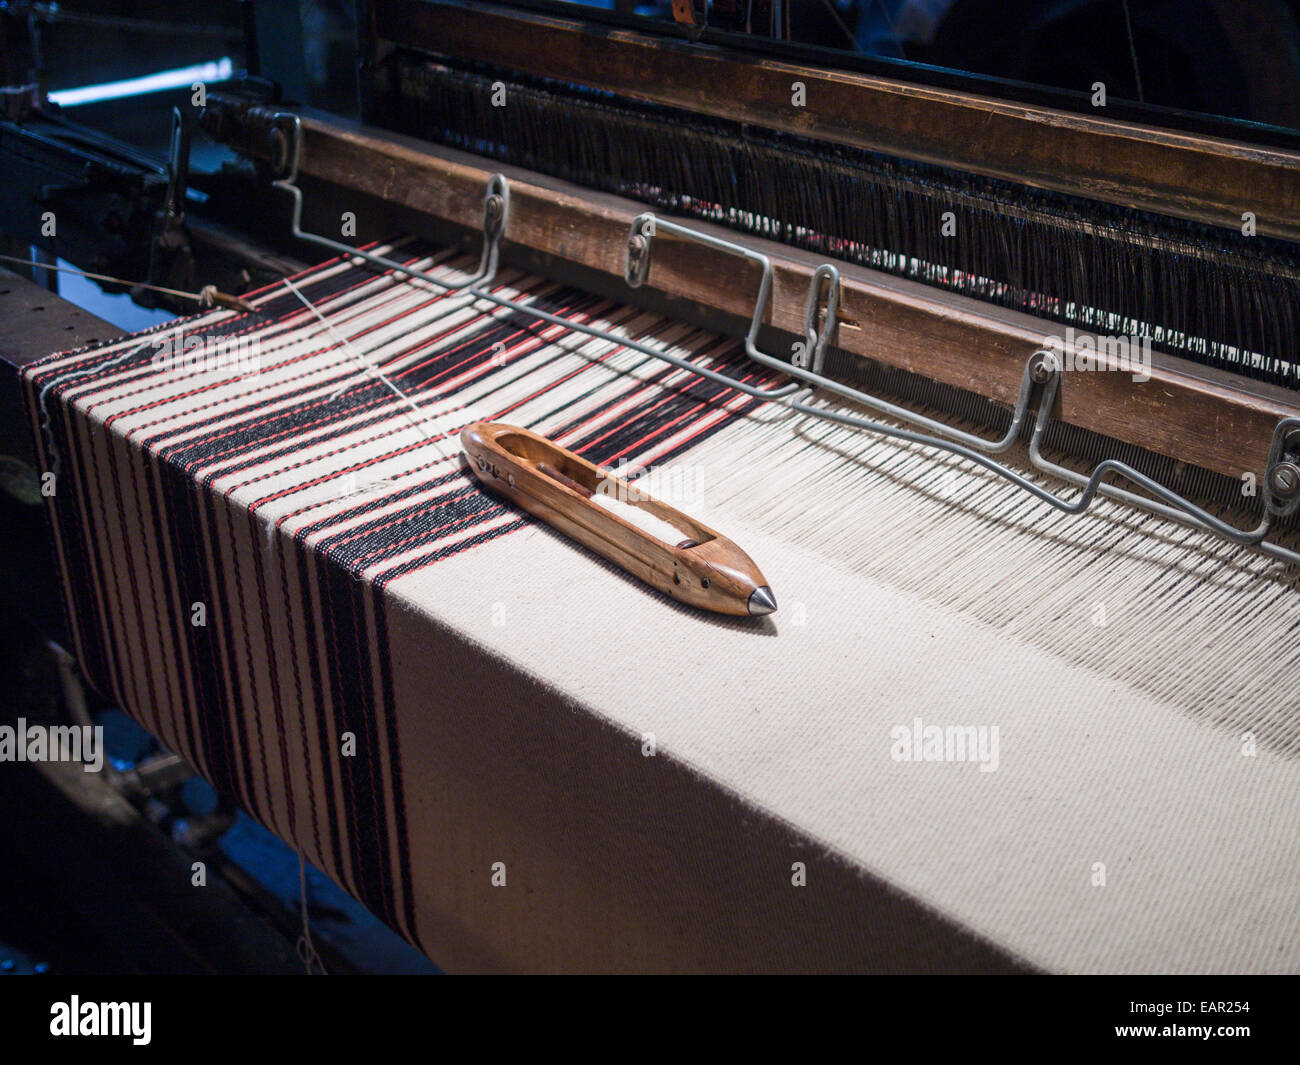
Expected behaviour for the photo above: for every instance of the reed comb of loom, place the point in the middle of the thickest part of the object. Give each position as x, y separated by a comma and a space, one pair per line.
1208, 294
649, 539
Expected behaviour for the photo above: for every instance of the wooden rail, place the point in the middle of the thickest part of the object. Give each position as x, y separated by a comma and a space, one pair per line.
1185, 175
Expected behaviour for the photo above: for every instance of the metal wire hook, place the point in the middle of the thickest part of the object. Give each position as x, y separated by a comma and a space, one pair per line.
646, 226
1174, 506
496, 213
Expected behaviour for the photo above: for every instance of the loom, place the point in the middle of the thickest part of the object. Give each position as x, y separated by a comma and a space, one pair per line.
1003, 398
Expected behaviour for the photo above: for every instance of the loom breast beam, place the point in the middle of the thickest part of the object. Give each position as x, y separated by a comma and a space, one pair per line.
700, 567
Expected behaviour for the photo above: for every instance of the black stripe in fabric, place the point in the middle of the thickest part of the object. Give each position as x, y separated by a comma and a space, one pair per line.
425, 523
312, 626
192, 558
219, 603
169, 624
383, 663
269, 656
386, 898
440, 554
239, 609
286, 555
364, 806
360, 509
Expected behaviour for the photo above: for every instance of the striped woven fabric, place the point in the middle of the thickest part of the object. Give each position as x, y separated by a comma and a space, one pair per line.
518, 757
257, 475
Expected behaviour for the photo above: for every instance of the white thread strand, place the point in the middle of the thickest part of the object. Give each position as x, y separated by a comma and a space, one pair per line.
370, 368
306, 948
54, 382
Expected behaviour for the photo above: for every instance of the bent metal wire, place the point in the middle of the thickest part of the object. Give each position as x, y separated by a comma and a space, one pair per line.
1042, 370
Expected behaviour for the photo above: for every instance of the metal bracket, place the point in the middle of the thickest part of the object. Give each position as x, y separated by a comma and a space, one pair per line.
496, 216
692, 16
1282, 477
1174, 506
645, 227
819, 322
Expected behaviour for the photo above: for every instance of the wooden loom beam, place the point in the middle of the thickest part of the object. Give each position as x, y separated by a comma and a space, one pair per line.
1187, 175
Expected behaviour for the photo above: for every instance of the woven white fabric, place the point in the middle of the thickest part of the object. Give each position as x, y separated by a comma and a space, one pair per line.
1199, 842
558, 768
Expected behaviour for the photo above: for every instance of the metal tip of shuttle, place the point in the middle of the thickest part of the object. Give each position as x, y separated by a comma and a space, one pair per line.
761, 602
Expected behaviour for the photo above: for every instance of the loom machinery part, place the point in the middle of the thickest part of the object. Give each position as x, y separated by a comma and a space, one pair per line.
1012, 245
92, 200
1169, 478
110, 209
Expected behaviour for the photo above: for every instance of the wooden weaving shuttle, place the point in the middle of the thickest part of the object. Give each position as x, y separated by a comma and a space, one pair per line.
699, 567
